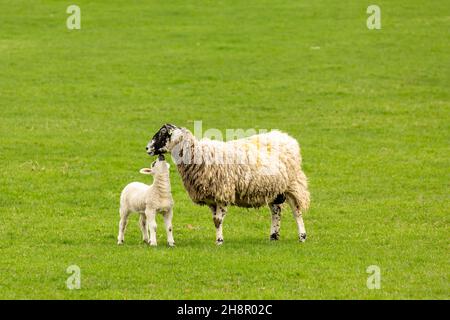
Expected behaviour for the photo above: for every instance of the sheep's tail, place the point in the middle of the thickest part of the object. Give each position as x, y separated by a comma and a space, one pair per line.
305, 201
299, 193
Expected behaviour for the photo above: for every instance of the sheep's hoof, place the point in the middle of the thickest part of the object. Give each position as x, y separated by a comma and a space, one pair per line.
120, 242
152, 244
275, 236
171, 244
302, 237
219, 241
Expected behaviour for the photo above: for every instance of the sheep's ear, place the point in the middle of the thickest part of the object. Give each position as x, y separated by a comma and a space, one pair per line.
146, 171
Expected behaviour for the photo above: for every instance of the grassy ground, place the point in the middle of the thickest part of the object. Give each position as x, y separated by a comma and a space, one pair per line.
369, 108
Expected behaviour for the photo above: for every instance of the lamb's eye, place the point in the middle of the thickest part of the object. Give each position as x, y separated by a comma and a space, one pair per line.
153, 163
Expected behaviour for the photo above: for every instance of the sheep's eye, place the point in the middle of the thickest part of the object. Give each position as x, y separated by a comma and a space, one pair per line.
153, 163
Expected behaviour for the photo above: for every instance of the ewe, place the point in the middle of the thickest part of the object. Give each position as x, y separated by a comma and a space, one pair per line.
148, 201
263, 169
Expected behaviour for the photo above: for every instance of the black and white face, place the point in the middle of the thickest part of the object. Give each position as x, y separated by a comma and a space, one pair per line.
161, 140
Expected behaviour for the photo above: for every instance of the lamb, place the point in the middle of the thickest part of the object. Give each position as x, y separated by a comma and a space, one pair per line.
148, 201
263, 169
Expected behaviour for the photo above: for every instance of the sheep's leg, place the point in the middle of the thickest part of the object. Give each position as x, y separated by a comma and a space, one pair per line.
144, 230
299, 219
151, 225
276, 220
218, 216
301, 226
168, 223
122, 225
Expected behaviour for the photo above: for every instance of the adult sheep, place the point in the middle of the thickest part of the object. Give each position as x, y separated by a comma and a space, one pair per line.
264, 169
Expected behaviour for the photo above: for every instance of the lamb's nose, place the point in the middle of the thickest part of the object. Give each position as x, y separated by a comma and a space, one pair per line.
146, 148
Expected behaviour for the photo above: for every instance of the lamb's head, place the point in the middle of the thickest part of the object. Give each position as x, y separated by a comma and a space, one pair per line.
164, 140
159, 166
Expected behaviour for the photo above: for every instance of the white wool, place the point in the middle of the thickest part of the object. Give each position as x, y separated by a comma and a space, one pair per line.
147, 200
248, 172
263, 169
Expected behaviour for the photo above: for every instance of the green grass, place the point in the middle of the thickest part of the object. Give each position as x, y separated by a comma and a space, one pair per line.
369, 108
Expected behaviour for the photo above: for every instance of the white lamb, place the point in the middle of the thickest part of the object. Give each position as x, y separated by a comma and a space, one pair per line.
148, 201
263, 169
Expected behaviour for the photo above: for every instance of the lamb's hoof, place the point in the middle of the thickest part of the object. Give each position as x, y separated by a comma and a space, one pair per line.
152, 244
171, 244
219, 241
275, 236
302, 237
120, 242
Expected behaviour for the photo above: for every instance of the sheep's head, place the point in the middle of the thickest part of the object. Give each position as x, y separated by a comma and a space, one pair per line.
164, 140
159, 166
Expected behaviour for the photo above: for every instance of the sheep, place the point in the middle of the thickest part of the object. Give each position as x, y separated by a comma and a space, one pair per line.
148, 201
264, 169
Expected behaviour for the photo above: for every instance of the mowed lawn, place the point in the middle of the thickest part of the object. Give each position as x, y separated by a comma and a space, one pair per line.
370, 109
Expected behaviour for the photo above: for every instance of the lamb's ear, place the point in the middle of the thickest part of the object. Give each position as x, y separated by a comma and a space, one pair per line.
168, 166
146, 171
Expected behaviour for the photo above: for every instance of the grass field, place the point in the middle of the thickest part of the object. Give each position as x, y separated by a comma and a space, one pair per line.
370, 109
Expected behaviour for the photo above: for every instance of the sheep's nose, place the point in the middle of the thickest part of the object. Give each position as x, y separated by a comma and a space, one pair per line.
150, 151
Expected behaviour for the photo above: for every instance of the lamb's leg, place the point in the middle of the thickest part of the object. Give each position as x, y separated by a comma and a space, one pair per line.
276, 220
168, 223
151, 225
299, 219
122, 224
144, 230
219, 213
